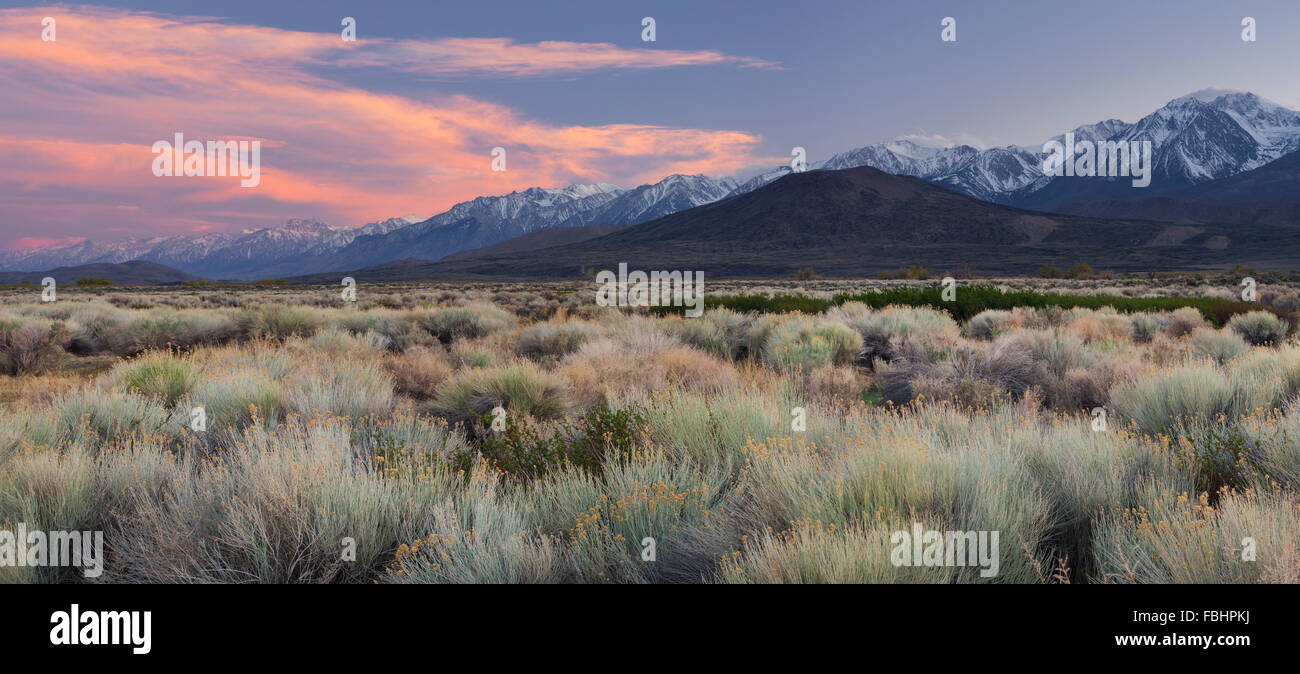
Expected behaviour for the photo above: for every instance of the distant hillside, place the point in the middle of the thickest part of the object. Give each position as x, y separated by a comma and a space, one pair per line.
1269, 194
136, 272
542, 238
860, 221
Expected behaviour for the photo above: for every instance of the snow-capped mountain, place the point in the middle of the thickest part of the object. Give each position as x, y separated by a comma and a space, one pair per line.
488, 220
648, 202
217, 255
1205, 135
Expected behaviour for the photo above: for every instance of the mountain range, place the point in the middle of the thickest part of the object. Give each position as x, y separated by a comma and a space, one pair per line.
857, 222
1204, 140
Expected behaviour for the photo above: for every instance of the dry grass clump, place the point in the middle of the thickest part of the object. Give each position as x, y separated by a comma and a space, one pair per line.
1166, 400
1182, 538
278, 321
521, 388
974, 375
834, 384
399, 330
352, 388
166, 329
235, 398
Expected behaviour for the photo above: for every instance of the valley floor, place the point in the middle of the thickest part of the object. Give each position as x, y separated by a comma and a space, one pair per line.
443, 433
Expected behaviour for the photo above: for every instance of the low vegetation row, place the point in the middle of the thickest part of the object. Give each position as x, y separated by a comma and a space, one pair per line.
970, 300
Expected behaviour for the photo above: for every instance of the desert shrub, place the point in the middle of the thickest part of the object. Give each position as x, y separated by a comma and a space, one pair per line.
543, 341
1259, 327
1099, 325
833, 384
1218, 345
418, 371
1183, 322
1161, 401
1221, 457
164, 329
487, 543
522, 388
642, 359
160, 376
974, 376
988, 324
400, 329
33, 347
1266, 379
475, 353
235, 398
932, 330
1144, 327
472, 321
280, 321
805, 344
92, 327
722, 332
341, 343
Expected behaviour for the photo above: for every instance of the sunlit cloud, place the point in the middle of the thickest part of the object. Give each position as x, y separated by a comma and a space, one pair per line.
82, 113
25, 242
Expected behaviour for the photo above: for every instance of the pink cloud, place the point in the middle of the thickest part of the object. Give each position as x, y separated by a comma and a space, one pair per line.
82, 113
23, 243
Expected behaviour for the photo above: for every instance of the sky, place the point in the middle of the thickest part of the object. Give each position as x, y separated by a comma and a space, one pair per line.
403, 120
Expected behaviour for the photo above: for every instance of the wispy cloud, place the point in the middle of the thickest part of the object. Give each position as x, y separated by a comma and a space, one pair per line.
82, 113
458, 57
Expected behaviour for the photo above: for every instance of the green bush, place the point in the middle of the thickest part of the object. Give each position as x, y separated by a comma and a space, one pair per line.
1220, 345
1259, 327
587, 443
160, 376
469, 322
805, 344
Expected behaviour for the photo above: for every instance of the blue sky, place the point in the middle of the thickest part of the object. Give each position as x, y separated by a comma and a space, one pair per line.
856, 72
